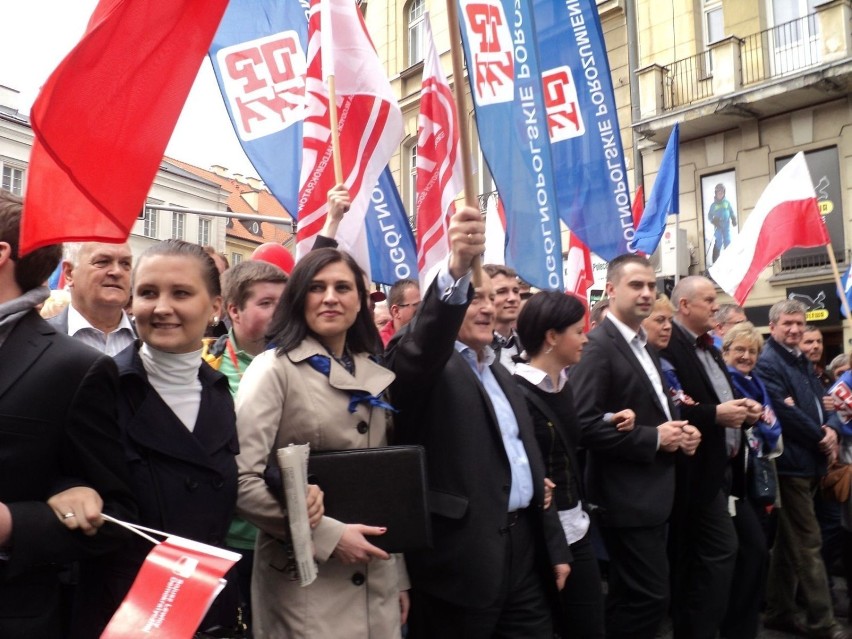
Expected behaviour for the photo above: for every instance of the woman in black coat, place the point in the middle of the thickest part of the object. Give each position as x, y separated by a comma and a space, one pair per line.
551, 327
178, 425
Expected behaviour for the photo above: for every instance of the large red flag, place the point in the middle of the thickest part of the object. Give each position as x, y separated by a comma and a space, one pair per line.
439, 177
370, 123
786, 215
104, 117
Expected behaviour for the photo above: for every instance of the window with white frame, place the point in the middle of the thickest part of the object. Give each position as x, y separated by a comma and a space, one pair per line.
415, 12
713, 29
203, 231
236, 258
178, 225
150, 220
13, 179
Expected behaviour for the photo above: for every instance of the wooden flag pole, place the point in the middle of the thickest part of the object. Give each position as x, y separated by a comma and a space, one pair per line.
335, 131
470, 198
843, 301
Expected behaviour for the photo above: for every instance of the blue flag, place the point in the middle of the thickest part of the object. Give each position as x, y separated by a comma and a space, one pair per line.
846, 283
663, 199
393, 253
505, 81
258, 56
582, 125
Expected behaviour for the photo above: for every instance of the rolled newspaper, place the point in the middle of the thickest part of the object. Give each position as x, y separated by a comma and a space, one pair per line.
293, 461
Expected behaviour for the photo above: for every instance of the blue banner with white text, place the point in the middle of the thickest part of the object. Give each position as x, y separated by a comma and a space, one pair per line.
505, 80
258, 56
588, 157
393, 253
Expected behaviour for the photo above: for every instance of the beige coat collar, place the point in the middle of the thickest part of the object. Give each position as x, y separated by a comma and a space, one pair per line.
369, 376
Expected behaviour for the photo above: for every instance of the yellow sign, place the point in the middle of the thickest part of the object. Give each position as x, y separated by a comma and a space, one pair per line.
816, 315
825, 207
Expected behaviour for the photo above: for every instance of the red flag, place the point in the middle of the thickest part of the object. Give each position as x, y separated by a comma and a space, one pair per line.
439, 177
638, 205
370, 123
105, 115
578, 275
785, 216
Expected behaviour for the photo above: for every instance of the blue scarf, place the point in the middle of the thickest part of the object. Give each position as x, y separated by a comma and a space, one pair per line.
767, 428
322, 364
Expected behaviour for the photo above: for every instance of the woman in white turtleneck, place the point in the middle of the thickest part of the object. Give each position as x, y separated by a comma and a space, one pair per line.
178, 423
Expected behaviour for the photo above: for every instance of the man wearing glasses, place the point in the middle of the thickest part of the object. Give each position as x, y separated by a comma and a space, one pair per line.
403, 301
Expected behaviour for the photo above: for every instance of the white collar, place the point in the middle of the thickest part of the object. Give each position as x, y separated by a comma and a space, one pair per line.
76, 322
539, 378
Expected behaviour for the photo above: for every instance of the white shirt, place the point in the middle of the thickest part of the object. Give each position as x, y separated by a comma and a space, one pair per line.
638, 340
110, 343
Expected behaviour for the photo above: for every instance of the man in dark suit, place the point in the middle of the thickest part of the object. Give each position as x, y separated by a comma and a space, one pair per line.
630, 474
702, 535
60, 454
98, 276
496, 550
810, 443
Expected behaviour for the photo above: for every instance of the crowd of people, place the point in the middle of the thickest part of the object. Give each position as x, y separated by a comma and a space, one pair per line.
580, 483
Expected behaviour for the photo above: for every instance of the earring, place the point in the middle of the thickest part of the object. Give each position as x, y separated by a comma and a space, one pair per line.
215, 321
548, 351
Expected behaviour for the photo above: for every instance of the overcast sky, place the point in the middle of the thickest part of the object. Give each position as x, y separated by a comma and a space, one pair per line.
36, 34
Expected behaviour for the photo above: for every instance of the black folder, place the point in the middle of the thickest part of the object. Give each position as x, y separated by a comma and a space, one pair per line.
378, 487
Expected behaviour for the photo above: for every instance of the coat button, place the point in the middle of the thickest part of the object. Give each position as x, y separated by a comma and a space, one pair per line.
358, 579
218, 484
362, 427
191, 484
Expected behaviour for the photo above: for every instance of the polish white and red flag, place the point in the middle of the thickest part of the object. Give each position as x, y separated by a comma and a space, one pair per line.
786, 216
578, 271
370, 124
439, 178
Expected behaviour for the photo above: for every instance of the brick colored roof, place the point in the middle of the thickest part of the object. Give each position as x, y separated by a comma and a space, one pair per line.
267, 205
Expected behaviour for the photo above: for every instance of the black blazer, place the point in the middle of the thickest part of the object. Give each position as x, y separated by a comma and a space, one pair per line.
703, 475
443, 406
57, 430
625, 474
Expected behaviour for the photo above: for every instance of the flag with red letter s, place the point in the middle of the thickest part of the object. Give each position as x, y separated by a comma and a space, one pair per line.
370, 123
439, 178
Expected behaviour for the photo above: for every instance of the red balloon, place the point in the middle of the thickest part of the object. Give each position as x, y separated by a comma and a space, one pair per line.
275, 254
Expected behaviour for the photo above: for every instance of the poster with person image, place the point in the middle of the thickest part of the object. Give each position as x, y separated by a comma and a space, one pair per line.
721, 214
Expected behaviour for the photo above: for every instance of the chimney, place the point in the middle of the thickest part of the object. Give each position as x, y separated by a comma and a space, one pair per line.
255, 183
238, 177
9, 98
219, 170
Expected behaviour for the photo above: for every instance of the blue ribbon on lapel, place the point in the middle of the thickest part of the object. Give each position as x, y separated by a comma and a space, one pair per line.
322, 364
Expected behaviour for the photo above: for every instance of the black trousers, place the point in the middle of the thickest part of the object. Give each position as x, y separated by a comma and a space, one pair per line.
638, 595
703, 551
748, 587
581, 601
522, 610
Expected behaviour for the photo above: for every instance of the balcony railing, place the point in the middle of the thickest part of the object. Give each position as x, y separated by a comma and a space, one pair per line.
783, 49
688, 80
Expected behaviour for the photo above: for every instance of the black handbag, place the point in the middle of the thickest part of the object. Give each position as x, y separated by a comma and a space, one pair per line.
762, 485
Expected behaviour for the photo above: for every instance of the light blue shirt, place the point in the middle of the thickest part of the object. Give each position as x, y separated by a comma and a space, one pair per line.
521, 490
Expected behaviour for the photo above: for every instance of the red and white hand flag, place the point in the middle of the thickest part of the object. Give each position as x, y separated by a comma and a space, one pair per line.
370, 123
786, 216
439, 178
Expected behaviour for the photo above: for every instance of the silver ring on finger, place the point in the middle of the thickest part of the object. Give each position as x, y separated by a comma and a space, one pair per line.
68, 515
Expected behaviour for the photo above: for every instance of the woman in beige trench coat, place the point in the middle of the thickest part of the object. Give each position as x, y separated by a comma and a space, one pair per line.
320, 385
